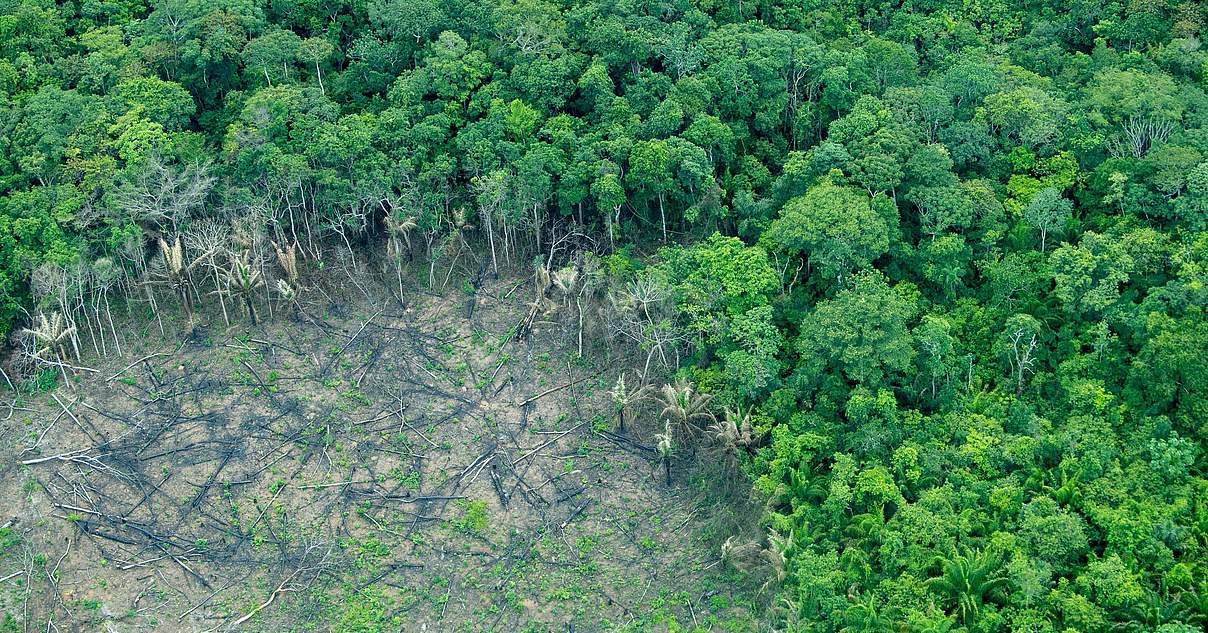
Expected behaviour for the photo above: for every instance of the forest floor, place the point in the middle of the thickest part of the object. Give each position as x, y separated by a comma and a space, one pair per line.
365, 467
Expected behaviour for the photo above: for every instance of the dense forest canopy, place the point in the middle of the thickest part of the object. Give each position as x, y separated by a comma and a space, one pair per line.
944, 265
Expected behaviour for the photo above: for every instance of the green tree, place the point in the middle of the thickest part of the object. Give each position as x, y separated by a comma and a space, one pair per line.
1089, 276
1048, 212
862, 332
834, 228
967, 579
273, 54
315, 51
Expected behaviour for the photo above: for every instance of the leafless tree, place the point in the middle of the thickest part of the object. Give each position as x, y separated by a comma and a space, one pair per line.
1020, 345
1139, 134
161, 196
211, 236
106, 275
640, 313
491, 194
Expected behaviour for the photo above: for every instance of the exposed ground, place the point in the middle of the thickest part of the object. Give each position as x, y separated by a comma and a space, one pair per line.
367, 467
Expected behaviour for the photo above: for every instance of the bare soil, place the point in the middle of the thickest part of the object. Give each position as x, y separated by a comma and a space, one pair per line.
364, 467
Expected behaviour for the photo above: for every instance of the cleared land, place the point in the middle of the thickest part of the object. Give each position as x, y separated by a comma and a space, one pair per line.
370, 468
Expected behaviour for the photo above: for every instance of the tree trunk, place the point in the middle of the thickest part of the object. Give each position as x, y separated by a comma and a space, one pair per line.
486, 217
222, 302
663, 217
154, 308
109, 315
186, 302
251, 309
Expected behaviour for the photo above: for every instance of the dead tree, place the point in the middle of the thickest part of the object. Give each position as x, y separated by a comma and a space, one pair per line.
159, 197
106, 275
211, 236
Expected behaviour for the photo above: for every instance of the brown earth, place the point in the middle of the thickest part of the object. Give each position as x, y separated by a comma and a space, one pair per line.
370, 468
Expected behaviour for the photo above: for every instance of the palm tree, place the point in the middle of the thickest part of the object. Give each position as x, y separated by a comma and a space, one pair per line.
777, 552
868, 527
804, 485
50, 339
857, 564
967, 579
733, 430
1065, 489
868, 531
565, 281
177, 273
866, 616
1193, 605
742, 555
933, 621
622, 397
243, 278
686, 406
664, 448
287, 258
1147, 614
397, 227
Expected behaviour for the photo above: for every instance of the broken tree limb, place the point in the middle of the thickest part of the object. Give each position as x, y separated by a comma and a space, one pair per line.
352, 340
574, 515
65, 457
127, 367
547, 443
547, 392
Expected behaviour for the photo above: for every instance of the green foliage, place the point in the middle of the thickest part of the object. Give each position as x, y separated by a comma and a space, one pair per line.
474, 519
835, 228
862, 333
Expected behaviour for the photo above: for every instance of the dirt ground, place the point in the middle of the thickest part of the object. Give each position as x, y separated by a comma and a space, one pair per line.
360, 467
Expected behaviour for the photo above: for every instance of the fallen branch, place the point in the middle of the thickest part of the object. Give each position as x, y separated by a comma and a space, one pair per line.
547, 443
576, 381
127, 367
281, 588
574, 515
65, 457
